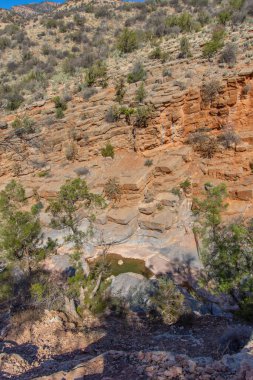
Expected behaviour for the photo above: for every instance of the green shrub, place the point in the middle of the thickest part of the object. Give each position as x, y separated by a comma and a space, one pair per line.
23, 125
51, 23
38, 291
157, 53
60, 103
226, 250
142, 115
60, 106
97, 73
203, 18
224, 17
20, 231
176, 191
215, 44
113, 114
59, 113
140, 94
236, 4
68, 66
127, 41
185, 51
14, 101
185, 184
137, 74
184, 21
127, 112
5, 42
167, 73
120, 90
78, 19
148, 162
70, 152
108, 151
168, 301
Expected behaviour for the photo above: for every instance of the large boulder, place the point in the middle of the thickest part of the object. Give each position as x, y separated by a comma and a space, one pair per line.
132, 289
161, 221
122, 215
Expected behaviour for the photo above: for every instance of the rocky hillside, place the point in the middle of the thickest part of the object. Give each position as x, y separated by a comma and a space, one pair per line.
152, 156
149, 103
34, 9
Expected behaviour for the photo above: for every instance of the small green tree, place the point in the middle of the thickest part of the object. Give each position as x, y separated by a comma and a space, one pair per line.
216, 43
97, 73
73, 196
120, 90
142, 114
226, 250
20, 231
140, 93
209, 210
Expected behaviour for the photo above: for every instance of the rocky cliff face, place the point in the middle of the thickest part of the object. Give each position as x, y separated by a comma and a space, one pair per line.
149, 221
147, 211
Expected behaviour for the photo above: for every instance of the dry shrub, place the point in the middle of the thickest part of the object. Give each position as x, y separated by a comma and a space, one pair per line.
112, 189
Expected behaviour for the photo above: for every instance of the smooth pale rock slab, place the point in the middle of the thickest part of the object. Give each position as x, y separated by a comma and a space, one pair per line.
147, 208
122, 215
168, 164
168, 199
159, 222
58, 263
115, 233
